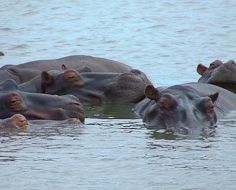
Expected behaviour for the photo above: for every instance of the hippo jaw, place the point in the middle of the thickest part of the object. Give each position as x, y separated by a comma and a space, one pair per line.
73, 111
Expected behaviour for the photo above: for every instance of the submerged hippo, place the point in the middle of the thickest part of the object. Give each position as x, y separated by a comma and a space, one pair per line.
90, 87
35, 106
82, 63
185, 109
219, 73
15, 121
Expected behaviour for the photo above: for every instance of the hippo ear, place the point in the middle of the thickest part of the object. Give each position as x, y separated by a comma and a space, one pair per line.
214, 97
151, 92
64, 67
46, 78
201, 69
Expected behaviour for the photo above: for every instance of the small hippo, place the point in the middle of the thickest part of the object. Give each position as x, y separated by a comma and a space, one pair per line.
219, 73
186, 109
36, 106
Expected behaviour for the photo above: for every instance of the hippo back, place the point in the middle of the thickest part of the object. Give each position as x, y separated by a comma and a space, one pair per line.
225, 102
78, 62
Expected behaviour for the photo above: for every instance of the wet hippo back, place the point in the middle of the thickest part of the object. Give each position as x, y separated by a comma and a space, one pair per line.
78, 62
82, 63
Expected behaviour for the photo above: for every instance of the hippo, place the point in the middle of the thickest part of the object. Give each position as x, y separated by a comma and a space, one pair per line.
16, 121
219, 73
90, 87
23, 72
36, 106
191, 108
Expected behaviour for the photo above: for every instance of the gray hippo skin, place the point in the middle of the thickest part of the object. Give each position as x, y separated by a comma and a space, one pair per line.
90, 87
185, 109
82, 63
219, 73
36, 106
16, 121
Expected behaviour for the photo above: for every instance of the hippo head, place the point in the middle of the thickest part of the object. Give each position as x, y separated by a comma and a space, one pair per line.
206, 72
60, 83
220, 74
68, 81
40, 106
16, 121
96, 88
179, 109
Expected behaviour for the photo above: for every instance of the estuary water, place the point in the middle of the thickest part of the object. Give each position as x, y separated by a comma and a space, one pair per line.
164, 39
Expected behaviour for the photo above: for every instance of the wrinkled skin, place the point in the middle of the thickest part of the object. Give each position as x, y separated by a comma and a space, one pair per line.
220, 74
186, 109
16, 121
36, 106
24, 72
91, 87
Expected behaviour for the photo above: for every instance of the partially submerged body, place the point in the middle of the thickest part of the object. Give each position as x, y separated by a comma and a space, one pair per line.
90, 87
36, 106
186, 109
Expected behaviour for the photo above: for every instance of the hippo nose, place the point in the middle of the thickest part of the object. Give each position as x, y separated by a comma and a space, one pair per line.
76, 110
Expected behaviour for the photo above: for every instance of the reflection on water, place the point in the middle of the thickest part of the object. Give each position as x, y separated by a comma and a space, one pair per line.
166, 40
118, 111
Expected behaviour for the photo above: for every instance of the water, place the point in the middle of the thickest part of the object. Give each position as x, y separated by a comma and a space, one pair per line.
166, 40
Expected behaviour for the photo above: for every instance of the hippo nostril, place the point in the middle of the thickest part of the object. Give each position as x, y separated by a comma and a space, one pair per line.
75, 104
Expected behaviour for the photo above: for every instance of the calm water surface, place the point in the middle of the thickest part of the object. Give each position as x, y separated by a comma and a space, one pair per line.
166, 40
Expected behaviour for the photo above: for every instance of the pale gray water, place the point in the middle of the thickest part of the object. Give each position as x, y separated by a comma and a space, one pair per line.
166, 40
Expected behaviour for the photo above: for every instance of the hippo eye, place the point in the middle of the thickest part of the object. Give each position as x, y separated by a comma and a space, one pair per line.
14, 102
167, 103
71, 76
